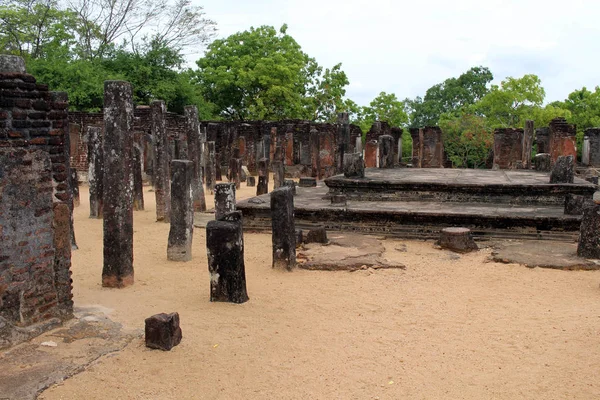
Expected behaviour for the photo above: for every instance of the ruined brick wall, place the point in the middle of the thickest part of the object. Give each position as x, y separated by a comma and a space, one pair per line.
508, 148
35, 199
562, 139
431, 147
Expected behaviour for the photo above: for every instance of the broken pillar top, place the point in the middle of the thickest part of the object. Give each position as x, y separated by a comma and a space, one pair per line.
12, 64
592, 132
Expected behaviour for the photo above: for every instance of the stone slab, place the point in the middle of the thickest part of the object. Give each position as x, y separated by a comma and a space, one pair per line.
543, 254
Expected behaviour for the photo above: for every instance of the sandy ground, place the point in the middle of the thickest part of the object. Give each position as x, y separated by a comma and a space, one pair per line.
452, 327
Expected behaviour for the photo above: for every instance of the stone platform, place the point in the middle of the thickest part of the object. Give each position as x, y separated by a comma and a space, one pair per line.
530, 207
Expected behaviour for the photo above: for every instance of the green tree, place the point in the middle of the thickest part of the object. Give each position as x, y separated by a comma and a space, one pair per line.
326, 91
467, 140
385, 107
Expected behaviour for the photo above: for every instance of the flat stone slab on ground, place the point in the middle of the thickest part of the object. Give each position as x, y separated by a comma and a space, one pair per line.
345, 252
543, 254
29, 368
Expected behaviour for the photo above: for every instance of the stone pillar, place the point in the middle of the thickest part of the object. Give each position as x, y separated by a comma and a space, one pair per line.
386, 151
225, 251
589, 233
289, 148
263, 177
272, 144
562, 139
593, 135
508, 148
563, 170
358, 147
415, 134
118, 183
75, 186
343, 140
182, 211
192, 127
354, 166
527, 144
283, 228
542, 162
371, 152
138, 185
585, 151
210, 167
278, 174
162, 181
315, 149
224, 199
235, 169
431, 147
542, 140
95, 170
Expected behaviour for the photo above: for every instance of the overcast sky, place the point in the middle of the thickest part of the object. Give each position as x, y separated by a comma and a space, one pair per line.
405, 47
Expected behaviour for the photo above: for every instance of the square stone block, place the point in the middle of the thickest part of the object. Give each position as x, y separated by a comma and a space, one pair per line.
163, 331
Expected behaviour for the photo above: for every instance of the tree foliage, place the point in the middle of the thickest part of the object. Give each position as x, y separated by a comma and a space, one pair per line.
467, 140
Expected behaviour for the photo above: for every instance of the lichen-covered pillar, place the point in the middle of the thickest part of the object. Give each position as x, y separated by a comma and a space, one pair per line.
225, 251
343, 140
593, 135
210, 167
138, 184
194, 144
235, 168
162, 180
562, 139
315, 149
415, 134
182, 211
508, 148
431, 147
563, 170
589, 233
95, 170
386, 151
224, 199
263, 177
118, 184
283, 228
527, 144
354, 165
371, 152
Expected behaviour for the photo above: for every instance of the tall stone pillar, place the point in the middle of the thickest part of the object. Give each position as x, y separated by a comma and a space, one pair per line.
527, 144
343, 140
225, 251
585, 151
589, 233
194, 145
562, 139
289, 148
283, 228
235, 168
118, 183
162, 181
182, 211
371, 153
210, 167
95, 170
272, 144
315, 150
224, 199
358, 147
593, 135
263, 177
431, 147
386, 151
508, 148
138, 184
415, 134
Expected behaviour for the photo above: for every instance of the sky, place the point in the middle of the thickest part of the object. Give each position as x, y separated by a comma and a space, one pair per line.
405, 47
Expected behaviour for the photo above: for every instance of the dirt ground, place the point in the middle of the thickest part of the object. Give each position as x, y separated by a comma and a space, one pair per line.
448, 326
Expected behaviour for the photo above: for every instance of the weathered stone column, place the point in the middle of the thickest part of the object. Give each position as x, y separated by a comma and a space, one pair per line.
182, 211
371, 150
263, 177
354, 165
283, 228
95, 170
210, 167
138, 185
194, 151
235, 168
563, 170
593, 135
75, 186
289, 148
278, 173
358, 147
162, 180
432, 147
272, 144
224, 199
542, 162
315, 150
542, 140
386, 151
225, 251
508, 148
589, 233
585, 151
343, 140
415, 134
118, 184
527, 144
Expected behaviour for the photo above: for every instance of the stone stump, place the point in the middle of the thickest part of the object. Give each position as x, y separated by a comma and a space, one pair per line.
263, 177
458, 240
386, 151
162, 177
542, 162
354, 165
589, 233
138, 185
225, 251
210, 167
316, 235
224, 199
283, 228
291, 184
95, 170
162, 331
182, 211
250, 181
563, 170
118, 183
